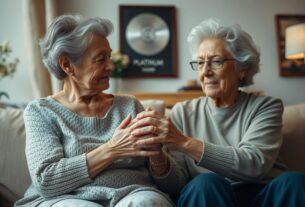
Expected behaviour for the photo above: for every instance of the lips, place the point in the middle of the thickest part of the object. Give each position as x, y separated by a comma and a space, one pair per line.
103, 77
211, 82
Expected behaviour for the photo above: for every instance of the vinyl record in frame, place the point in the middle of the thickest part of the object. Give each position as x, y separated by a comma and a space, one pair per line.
148, 37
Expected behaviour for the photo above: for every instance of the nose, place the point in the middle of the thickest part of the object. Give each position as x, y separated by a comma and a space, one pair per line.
205, 70
109, 66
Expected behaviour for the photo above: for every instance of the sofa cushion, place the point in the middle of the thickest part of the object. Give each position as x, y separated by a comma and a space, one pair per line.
13, 168
293, 149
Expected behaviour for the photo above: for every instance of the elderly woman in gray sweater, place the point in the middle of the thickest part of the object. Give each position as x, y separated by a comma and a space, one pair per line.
229, 140
79, 146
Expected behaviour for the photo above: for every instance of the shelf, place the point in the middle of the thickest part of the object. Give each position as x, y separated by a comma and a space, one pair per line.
170, 99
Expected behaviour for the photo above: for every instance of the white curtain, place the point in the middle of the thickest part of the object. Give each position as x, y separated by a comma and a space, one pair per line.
37, 16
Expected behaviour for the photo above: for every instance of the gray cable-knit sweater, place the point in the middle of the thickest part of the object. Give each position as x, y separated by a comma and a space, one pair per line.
57, 140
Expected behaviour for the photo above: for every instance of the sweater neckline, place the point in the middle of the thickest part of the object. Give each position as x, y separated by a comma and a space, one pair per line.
77, 116
240, 99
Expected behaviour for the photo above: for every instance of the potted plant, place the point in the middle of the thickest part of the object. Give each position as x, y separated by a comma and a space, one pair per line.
7, 66
120, 62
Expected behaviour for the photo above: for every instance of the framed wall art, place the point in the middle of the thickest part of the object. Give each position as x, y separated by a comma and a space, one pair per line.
288, 67
148, 37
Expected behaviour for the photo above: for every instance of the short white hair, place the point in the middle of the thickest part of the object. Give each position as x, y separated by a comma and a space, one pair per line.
237, 42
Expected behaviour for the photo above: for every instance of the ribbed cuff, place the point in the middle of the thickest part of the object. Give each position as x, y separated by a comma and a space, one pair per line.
217, 158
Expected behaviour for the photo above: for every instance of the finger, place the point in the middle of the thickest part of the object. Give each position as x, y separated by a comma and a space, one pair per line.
145, 153
150, 141
148, 147
144, 122
145, 113
148, 108
125, 122
135, 138
140, 153
145, 130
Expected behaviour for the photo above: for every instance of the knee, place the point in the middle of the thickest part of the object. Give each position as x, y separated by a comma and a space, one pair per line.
206, 182
145, 198
291, 180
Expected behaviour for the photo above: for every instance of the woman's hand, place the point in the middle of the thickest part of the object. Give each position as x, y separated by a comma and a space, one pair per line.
122, 143
166, 134
162, 130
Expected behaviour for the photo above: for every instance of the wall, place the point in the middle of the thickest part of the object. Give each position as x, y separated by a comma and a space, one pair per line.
256, 17
18, 87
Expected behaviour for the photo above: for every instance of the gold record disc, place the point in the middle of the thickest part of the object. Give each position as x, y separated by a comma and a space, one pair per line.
147, 34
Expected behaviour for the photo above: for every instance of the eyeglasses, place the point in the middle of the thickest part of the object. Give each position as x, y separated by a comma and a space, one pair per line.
213, 64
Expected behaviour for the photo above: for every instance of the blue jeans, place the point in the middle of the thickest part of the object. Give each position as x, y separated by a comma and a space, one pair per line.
210, 189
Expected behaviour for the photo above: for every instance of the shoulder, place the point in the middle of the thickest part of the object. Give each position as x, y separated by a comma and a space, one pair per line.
186, 109
263, 102
37, 105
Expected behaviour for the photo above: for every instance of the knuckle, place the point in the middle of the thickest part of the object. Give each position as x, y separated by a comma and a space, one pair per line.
154, 113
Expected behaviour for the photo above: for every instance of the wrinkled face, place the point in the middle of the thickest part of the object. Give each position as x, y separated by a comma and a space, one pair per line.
219, 83
94, 70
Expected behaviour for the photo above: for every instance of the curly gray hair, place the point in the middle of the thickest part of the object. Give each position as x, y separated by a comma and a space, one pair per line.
67, 35
238, 43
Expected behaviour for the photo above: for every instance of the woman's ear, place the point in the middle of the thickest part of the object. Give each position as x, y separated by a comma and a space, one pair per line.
66, 65
242, 74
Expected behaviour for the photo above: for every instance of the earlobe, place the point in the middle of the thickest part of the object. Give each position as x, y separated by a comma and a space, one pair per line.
242, 77
242, 74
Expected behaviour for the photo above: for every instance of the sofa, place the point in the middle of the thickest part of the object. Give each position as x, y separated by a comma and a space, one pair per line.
14, 175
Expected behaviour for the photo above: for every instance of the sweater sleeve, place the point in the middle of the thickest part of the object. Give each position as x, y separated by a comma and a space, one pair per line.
257, 151
52, 174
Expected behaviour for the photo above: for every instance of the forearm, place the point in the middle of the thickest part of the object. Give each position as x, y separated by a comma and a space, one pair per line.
99, 159
159, 164
175, 177
192, 148
59, 177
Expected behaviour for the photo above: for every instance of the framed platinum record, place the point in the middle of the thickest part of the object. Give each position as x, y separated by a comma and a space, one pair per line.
148, 37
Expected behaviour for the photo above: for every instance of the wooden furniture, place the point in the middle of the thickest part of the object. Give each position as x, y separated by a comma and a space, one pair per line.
169, 98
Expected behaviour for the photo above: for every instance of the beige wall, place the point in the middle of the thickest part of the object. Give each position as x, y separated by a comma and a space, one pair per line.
256, 17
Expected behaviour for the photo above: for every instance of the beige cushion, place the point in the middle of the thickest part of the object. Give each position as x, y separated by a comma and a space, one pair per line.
13, 169
293, 149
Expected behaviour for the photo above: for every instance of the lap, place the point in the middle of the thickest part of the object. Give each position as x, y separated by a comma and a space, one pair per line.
210, 187
75, 203
145, 199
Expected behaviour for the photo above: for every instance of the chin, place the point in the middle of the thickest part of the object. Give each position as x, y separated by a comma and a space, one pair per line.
212, 93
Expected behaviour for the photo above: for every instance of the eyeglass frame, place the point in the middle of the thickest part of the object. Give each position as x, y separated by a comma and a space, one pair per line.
209, 64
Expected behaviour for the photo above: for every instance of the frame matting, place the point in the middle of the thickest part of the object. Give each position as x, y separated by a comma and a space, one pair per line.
144, 64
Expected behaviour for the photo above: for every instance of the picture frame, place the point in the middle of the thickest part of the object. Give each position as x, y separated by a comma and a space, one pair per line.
148, 35
288, 68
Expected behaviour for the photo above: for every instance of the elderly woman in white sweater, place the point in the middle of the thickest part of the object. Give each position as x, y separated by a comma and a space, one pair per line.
227, 141
79, 146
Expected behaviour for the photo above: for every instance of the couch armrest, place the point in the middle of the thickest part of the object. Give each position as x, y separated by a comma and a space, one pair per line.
14, 173
292, 151
7, 198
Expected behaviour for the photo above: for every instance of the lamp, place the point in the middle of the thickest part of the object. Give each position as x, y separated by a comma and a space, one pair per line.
295, 42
